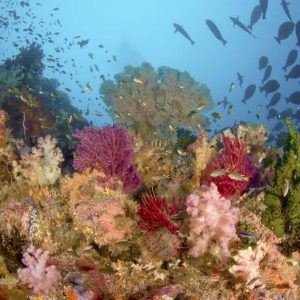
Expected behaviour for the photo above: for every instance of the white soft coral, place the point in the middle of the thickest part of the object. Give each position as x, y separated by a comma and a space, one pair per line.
40, 277
40, 167
213, 222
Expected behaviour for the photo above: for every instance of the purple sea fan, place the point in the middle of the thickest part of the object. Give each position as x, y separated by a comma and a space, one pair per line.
109, 150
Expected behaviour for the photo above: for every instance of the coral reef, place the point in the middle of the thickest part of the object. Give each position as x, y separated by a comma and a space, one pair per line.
212, 221
109, 150
155, 102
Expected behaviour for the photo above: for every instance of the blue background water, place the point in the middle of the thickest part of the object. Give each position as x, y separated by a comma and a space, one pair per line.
136, 31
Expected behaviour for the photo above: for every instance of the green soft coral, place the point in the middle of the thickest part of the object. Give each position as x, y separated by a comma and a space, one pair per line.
283, 210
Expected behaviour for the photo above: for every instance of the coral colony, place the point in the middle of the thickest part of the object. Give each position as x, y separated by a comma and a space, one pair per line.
150, 212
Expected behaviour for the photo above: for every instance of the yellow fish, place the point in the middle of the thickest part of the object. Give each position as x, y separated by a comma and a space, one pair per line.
237, 176
218, 173
137, 80
88, 87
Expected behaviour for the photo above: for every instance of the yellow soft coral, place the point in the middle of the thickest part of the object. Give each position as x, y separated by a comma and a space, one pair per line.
40, 167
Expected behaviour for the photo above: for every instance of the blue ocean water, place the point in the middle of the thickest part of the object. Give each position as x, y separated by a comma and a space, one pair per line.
121, 33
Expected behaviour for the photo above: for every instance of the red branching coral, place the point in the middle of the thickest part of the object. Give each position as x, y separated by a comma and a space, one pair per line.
231, 170
156, 213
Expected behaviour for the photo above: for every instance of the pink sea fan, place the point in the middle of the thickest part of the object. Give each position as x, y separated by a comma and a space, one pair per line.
40, 277
232, 159
213, 222
109, 150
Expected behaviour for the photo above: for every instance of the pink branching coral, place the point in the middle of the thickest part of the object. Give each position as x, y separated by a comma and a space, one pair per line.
231, 170
109, 150
212, 221
156, 212
40, 277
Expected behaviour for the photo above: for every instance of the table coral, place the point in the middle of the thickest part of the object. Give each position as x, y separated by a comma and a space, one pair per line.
153, 101
212, 221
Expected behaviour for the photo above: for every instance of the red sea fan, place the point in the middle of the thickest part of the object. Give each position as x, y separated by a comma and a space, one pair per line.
109, 150
156, 212
232, 160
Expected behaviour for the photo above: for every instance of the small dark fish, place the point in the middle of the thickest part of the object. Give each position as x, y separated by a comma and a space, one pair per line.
237, 22
255, 16
294, 73
291, 58
215, 30
284, 31
278, 126
240, 78
249, 92
246, 235
180, 29
285, 113
114, 58
274, 100
56, 9
83, 43
225, 102
270, 86
294, 98
267, 73
263, 62
272, 113
285, 7
91, 55
264, 7
298, 33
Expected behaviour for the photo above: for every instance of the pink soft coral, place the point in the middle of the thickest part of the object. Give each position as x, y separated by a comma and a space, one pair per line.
40, 277
212, 221
232, 159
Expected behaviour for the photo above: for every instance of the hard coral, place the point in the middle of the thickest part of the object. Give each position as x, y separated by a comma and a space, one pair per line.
109, 150
40, 277
155, 213
213, 221
237, 168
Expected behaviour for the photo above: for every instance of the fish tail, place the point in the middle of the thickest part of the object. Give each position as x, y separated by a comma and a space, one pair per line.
224, 42
192, 42
277, 39
286, 77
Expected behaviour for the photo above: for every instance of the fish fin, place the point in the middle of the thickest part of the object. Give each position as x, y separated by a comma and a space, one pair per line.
249, 27
284, 69
286, 77
192, 42
287, 99
277, 39
261, 89
224, 42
